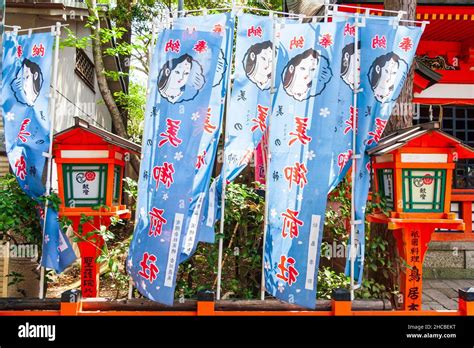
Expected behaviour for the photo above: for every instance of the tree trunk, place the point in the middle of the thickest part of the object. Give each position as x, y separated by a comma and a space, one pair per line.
105, 91
124, 20
402, 116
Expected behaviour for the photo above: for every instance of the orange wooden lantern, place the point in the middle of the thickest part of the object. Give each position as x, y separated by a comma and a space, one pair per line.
90, 165
413, 172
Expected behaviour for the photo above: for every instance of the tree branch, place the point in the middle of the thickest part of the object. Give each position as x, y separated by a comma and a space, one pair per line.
105, 91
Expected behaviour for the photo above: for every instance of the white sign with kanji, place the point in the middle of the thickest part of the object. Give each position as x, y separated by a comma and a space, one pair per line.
85, 185
312, 251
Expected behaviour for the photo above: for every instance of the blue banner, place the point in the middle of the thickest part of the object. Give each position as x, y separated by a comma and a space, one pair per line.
26, 73
250, 100
57, 250
304, 110
246, 120
388, 51
2, 27
27, 66
219, 24
342, 152
181, 84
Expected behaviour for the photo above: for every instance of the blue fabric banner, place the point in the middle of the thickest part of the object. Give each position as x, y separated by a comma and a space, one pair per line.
181, 80
247, 118
27, 66
304, 109
26, 74
57, 250
250, 100
342, 155
222, 24
388, 52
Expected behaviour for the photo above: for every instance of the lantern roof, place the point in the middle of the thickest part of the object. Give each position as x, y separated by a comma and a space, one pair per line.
83, 133
411, 137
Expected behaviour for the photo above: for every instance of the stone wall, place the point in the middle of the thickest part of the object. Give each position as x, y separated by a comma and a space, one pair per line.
28, 268
449, 260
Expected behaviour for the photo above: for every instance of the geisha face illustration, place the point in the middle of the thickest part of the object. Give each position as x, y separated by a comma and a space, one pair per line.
258, 64
384, 74
349, 59
298, 75
27, 83
180, 79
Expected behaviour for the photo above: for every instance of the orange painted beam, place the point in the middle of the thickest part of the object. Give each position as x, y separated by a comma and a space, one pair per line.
274, 313
138, 313
469, 310
31, 313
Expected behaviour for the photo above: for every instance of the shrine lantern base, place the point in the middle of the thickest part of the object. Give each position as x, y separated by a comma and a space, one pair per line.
91, 245
412, 236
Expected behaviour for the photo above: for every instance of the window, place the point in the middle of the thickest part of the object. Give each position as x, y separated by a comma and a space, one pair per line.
85, 68
457, 121
464, 174
84, 184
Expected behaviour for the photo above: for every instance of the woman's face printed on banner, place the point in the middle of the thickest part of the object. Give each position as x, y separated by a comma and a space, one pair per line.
384, 74
298, 76
349, 59
28, 82
258, 62
180, 79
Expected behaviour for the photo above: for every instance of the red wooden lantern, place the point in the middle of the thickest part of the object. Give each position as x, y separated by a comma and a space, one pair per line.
413, 171
90, 165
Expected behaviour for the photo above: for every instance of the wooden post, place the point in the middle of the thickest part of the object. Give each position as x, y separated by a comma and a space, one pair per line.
466, 301
90, 250
341, 302
412, 248
71, 302
205, 303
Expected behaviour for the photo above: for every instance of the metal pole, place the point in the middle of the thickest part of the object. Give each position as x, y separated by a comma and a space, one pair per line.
265, 224
49, 155
180, 7
224, 184
355, 155
150, 58
221, 232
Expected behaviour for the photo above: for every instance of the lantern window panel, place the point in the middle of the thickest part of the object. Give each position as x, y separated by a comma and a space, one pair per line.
424, 190
84, 184
117, 180
385, 179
